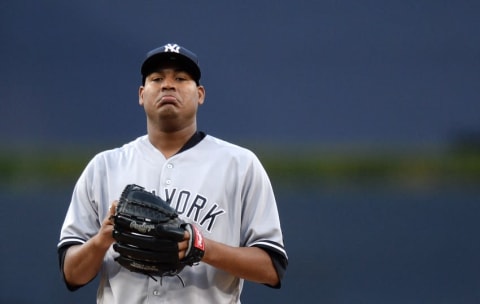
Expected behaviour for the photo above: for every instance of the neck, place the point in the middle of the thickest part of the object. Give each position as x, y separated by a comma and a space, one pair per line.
169, 143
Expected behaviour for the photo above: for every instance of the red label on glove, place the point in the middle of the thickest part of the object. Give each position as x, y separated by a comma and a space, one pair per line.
198, 239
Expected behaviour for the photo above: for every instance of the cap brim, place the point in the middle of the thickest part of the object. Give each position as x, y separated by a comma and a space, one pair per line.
157, 61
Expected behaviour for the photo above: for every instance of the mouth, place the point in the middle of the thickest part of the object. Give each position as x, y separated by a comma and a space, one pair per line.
168, 99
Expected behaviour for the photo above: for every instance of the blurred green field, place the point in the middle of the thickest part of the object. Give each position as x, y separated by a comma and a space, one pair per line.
412, 167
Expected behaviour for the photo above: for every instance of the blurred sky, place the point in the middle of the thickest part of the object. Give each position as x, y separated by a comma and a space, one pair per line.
369, 72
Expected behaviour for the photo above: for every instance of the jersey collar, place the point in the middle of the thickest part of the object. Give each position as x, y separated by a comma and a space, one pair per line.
193, 141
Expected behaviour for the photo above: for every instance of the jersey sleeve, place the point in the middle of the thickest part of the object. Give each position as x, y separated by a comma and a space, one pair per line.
260, 218
83, 217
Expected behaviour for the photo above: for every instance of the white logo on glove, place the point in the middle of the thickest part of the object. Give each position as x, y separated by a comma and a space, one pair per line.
141, 228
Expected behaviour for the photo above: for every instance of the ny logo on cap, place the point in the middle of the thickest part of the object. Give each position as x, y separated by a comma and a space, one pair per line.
172, 48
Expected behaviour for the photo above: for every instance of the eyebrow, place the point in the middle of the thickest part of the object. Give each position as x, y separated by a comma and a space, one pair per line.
176, 70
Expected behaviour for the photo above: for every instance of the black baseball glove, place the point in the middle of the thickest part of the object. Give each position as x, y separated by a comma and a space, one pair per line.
147, 231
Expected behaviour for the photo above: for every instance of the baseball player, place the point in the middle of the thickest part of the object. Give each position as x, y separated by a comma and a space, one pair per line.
220, 187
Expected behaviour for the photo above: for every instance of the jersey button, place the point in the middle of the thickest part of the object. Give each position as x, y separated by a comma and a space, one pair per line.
156, 293
169, 166
168, 181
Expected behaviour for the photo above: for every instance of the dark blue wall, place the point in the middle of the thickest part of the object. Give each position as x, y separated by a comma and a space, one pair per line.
304, 71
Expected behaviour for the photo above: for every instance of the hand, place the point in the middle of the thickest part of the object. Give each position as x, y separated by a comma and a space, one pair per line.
105, 234
192, 248
183, 246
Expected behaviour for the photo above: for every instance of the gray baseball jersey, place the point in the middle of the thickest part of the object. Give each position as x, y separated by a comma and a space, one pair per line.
220, 187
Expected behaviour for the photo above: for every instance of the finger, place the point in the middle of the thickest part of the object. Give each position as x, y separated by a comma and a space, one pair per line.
182, 249
182, 246
111, 212
113, 207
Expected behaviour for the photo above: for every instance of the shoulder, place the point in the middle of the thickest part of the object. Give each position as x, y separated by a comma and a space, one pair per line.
120, 155
216, 145
140, 143
221, 153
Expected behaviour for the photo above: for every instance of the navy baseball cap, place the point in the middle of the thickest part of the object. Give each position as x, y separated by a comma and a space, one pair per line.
169, 53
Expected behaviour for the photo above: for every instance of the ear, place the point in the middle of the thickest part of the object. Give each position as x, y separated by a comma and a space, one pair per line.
140, 96
201, 94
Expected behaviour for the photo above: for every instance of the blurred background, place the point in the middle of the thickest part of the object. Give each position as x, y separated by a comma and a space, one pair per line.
364, 113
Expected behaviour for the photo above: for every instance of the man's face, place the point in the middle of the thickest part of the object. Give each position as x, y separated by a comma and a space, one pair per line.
170, 98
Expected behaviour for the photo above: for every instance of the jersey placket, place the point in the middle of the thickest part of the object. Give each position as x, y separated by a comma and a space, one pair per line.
157, 288
166, 177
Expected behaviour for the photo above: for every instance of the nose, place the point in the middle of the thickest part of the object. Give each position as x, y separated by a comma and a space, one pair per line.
168, 83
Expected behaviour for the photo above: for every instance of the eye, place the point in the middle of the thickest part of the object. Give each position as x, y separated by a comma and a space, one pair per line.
156, 77
181, 76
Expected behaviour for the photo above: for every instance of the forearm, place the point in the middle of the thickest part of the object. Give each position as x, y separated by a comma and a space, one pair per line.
82, 262
250, 263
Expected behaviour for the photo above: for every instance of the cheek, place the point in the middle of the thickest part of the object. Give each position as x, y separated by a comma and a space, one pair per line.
147, 96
